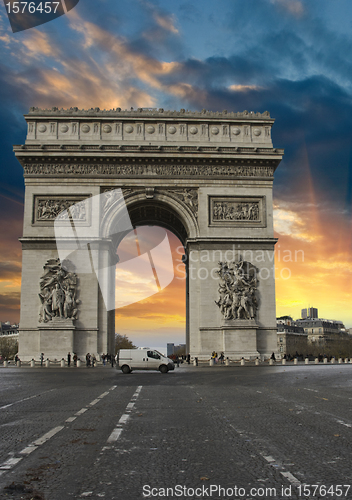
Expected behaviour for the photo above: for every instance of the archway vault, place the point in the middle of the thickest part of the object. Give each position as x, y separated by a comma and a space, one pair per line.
155, 208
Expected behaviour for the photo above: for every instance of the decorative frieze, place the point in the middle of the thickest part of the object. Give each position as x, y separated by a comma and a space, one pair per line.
237, 211
49, 208
143, 169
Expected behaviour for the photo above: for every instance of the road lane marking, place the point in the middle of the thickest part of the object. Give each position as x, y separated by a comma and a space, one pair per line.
48, 435
290, 477
103, 395
25, 399
344, 423
10, 462
94, 402
70, 419
114, 436
80, 412
116, 433
28, 449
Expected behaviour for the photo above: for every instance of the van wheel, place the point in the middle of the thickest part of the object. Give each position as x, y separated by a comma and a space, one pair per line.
126, 369
164, 369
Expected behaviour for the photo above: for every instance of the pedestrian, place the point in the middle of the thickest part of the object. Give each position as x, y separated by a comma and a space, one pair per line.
75, 357
104, 359
41, 359
94, 360
112, 358
273, 357
188, 358
221, 358
69, 359
88, 358
177, 361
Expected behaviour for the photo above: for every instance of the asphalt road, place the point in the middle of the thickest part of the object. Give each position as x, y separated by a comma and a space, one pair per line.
199, 432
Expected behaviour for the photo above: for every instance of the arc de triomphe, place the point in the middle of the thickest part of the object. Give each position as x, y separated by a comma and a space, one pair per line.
206, 176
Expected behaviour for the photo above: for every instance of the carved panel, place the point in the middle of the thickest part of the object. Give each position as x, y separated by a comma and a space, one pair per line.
48, 208
237, 211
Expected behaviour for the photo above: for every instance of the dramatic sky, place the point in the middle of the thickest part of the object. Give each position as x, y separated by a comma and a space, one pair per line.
290, 57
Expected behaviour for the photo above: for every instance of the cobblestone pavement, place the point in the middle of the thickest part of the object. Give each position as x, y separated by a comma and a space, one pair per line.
202, 432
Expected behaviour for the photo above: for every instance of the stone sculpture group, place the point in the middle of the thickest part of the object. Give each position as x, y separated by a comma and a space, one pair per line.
58, 290
238, 292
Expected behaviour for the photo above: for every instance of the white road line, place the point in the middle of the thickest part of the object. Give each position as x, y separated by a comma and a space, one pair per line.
70, 419
124, 419
103, 395
83, 410
48, 435
113, 387
312, 390
25, 399
94, 402
28, 450
269, 459
114, 436
10, 463
343, 423
290, 477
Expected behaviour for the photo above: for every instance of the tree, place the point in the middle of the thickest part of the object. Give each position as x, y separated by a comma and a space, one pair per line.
123, 342
8, 347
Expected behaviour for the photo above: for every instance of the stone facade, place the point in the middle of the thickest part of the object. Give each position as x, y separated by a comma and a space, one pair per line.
205, 176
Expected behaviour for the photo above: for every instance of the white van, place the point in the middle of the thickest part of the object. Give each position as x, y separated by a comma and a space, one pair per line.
143, 359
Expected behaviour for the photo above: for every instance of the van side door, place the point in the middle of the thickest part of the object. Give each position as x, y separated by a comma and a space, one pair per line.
152, 360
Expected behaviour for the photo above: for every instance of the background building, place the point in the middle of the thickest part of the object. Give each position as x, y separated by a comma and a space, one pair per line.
310, 312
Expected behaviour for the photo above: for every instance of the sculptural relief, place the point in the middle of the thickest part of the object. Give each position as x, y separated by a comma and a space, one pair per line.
235, 211
48, 209
238, 291
58, 291
189, 197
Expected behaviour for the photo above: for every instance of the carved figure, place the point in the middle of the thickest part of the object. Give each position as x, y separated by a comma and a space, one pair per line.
238, 292
58, 292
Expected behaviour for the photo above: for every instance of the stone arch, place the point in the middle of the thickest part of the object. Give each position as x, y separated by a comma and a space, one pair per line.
163, 209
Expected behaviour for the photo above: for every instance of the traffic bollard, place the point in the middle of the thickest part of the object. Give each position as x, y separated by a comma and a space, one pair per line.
295, 361
5, 363
256, 362
283, 361
194, 362
227, 362
242, 362
78, 363
306, 361
340, 360
212, 362
271, 362
62, 363
47, 363
316, 361
19, 363
32, 363
346, 360
325, 360
332, 360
